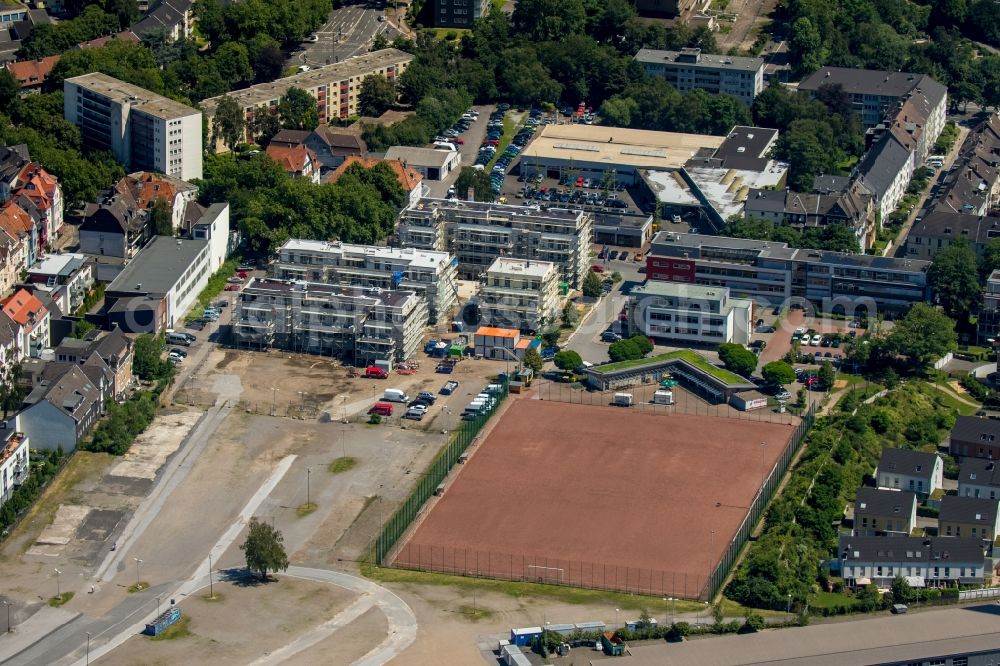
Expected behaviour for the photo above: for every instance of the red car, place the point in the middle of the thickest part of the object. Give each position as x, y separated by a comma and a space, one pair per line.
492, 142
597, 268
232, 287
375, 372
459, 140
579, 181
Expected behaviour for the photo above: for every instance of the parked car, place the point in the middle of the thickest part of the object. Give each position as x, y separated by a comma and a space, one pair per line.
179, 352
416, 412
444, 368
427, 395
449, 387
610, 336
376, 372
232, 287
816, 339
381, 408
597, 268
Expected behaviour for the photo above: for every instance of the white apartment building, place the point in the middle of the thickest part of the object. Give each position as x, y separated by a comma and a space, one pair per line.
13, 463
520, 294
360, 324
930, 562
143, 130
335, 87
689, 68
429, 273
690, 312
476, 233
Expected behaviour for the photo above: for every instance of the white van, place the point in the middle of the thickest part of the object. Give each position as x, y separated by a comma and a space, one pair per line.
395, 395
445, 145
624, 400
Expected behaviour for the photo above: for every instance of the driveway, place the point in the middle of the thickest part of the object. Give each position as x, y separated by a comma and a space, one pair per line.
469, 150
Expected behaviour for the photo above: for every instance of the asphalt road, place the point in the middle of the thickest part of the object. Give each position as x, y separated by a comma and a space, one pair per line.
586, 340
348, 32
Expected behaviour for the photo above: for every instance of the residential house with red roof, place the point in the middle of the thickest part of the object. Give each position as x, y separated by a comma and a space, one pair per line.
43, 190
145, 187
19, 225
409, 178
297, 161
28, 313
33, 75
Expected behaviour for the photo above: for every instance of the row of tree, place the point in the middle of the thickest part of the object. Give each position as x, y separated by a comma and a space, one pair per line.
833, 237
271, 207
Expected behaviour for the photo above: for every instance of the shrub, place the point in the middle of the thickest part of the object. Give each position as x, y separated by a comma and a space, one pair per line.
374, 419
976, 388
122, 424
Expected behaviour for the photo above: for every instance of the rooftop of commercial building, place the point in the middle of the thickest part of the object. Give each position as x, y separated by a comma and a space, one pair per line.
426, 157
695, 58
771, 249
421, 258
358, 66
527, 267
617, 147
144, 100
158, 267
726, 189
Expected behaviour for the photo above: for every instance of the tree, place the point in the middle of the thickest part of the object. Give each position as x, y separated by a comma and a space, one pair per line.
954, 277
568, 360
991, 258
298, 111
160, 218
642, 343
592, 287
901, 591
264, 549
738, 359
827, 375
624, 350
377, 95
532, 359
232, 61
147, 358
229, 123
806, 46
569, 315
778, 373
264, 125
9, 89
924, 334
11, 390
478, 180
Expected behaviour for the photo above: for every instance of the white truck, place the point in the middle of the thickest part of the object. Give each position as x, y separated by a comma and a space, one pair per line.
624, 400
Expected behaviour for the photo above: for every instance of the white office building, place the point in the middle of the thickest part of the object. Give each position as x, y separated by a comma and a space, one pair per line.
689, 68
143, 130
689, 312
429, 273
519, 294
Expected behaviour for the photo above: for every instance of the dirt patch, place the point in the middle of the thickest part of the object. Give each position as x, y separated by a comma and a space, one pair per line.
574, 502
347, 645
270, 616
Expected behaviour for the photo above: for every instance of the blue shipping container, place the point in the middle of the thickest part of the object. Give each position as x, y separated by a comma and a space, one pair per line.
157, 626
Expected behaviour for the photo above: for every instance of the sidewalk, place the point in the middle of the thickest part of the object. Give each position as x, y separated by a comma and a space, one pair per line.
36, 628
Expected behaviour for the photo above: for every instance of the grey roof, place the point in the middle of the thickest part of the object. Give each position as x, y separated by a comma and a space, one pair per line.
882, 502
288, 137
881, 164
976, 429
747, 142
426, 157
341, 139
164, 15
910, 549
866, 81
765, 201
67, 387
827, 183
956, 509
979, 472
907, 461
8, 330
705, 60
12, 160
947, 224
158, 266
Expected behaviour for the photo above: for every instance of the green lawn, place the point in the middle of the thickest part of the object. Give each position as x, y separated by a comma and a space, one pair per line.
509, 130
690, 357
829, 600
960, 407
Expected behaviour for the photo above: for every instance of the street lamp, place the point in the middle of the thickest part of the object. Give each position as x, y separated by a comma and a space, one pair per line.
308, 473
274, 397
58, 591
137, 563
88, 646
7, 604
211, 587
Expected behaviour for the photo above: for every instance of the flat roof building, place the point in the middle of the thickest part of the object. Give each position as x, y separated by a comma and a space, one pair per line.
431, 163
143, 130
690, 313
520, 294
476, 233
429, 273
689, 68
335, 87
359, 324
774, 273
597, 151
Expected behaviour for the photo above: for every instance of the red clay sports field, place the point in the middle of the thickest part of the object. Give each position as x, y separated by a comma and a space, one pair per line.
598, 496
